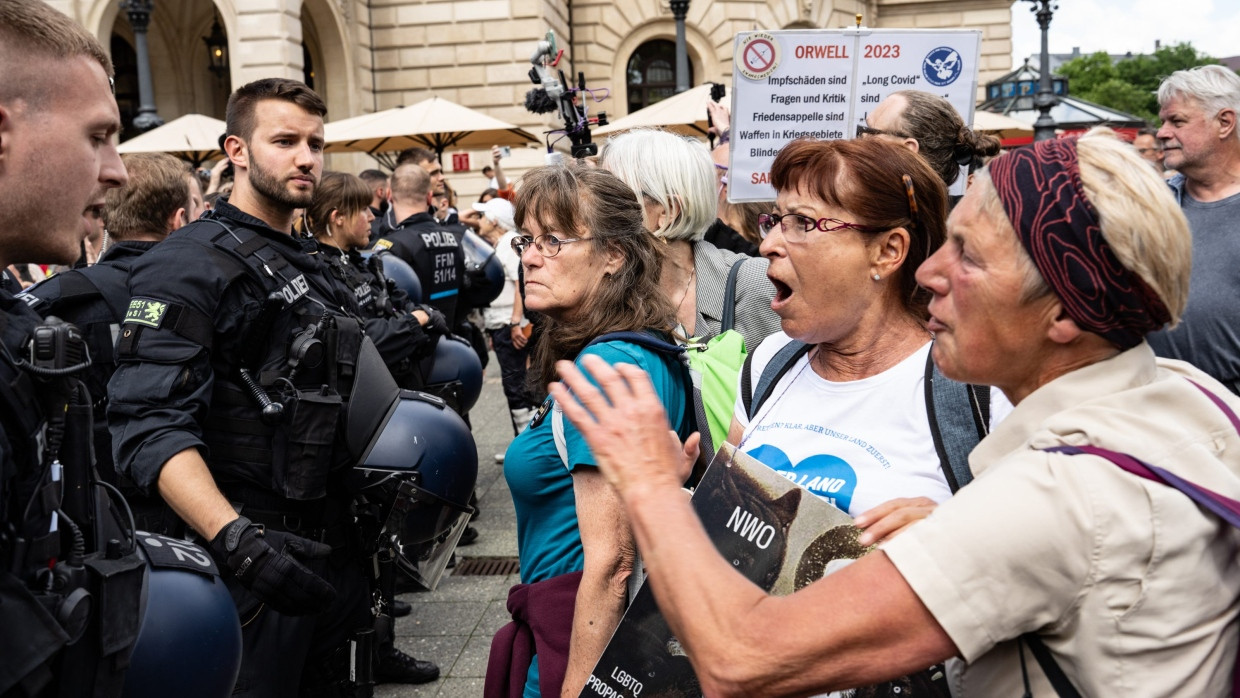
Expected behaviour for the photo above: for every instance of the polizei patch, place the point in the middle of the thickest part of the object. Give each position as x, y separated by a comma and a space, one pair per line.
295, 288
146, 311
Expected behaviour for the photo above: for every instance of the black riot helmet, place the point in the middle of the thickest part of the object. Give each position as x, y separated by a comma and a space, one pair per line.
455, 360
189, 644
484, 274
414, 484
371, 398
400, 273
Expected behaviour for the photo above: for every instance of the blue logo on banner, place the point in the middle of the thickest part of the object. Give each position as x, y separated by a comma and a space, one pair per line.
827, 476
942, 66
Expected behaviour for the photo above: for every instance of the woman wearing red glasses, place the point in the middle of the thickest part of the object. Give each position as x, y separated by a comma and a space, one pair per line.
839, 400
842, 400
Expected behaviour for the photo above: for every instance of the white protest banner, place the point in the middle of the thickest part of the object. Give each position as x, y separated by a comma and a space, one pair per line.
821, 83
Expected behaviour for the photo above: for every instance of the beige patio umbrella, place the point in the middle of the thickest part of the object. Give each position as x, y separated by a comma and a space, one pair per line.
684, 113
435, 123
192, 137
335, 129
1000, 125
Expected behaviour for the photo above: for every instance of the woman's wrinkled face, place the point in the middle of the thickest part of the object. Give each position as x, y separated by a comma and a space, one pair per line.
560, 285
984, 332
823, 284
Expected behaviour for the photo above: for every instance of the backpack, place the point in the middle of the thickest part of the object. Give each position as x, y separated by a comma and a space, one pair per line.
718, 361
1224, 507
692, 380
959, 413
710, 368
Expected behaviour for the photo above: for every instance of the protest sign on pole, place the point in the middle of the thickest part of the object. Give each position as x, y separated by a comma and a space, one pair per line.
821, 83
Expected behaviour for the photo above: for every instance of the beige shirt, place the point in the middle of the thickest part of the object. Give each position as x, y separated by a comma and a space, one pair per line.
1131, 585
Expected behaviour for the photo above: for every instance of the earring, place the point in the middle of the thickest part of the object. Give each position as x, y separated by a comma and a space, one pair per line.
876, 277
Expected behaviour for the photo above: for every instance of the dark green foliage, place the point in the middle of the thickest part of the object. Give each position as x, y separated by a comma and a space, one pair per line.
1131, 85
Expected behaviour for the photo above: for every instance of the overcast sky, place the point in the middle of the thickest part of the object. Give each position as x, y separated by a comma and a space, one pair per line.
1119, 26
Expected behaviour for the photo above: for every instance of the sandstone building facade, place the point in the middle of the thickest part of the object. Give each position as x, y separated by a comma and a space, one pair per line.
370, 55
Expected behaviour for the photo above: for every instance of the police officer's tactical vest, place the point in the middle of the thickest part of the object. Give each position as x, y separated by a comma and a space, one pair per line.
70, 580
369, 287
299, 350
94, 299
365, 279
437, 257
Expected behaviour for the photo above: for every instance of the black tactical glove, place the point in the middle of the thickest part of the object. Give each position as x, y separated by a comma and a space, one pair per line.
265, 562
437, 324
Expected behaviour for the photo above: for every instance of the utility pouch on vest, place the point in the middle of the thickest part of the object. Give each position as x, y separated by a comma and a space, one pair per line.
118, 593
303, 444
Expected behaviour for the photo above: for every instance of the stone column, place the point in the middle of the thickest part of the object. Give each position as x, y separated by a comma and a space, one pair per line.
267, 42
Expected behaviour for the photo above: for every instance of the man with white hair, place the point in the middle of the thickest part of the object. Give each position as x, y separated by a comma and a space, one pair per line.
1201, 139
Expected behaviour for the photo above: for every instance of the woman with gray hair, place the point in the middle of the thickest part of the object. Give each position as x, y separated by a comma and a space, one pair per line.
1069, 555
674, 180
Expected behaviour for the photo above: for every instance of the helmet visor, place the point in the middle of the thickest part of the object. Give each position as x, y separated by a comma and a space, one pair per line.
427, 528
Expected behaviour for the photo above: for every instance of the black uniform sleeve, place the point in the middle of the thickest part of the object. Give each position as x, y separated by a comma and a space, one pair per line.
158, 397
399, 338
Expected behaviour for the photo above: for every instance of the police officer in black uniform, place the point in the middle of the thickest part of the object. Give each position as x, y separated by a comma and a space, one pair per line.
431, 248
236, 360
161, 196
404, 333
57, 158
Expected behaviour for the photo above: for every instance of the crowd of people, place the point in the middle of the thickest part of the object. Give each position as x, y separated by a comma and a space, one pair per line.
1031, 389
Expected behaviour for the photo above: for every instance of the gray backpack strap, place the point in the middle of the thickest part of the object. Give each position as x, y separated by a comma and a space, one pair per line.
959, 419
728, 316
778, 366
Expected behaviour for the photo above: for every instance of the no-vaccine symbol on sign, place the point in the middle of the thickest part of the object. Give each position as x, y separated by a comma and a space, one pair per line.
759, 56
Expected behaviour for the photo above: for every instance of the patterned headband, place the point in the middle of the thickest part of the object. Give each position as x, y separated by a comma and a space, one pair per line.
1040, 187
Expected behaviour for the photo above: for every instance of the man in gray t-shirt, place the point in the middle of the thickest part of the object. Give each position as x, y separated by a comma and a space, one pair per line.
1201, 140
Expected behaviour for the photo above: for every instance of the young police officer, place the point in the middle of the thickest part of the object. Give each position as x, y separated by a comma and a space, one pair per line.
57, 158
228, 315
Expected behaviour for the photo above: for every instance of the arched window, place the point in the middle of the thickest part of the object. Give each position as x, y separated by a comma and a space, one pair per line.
125, 65
307, 66
651, 74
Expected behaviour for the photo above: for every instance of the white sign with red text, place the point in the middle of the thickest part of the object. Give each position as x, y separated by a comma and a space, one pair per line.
821, 83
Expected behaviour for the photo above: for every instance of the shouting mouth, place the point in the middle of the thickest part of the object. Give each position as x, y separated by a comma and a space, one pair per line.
783, 293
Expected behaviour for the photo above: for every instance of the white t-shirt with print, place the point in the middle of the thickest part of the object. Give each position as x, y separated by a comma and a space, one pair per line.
855, 444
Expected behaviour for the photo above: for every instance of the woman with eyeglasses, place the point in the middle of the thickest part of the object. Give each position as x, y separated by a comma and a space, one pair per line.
845, 409
930, 126
838, 401
590, 269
